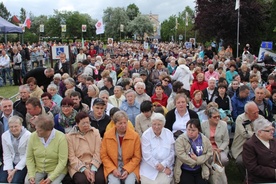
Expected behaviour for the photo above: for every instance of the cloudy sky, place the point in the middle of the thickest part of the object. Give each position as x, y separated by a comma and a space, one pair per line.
164, 8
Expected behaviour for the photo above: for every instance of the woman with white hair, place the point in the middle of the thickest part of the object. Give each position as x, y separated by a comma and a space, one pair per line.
183, 74
14, 143
92, 94
158, 152
259, 153
140, 90
70, 83
53, 90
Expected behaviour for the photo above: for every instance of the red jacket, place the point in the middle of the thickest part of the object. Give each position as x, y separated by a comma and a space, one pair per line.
163, 101
198, 86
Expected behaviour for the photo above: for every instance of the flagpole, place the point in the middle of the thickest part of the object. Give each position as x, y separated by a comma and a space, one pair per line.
238, 32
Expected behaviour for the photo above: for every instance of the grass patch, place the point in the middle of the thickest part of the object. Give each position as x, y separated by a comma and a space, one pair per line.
8, 91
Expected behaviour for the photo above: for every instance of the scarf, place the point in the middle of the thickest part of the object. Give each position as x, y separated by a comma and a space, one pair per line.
67, 121
197, 105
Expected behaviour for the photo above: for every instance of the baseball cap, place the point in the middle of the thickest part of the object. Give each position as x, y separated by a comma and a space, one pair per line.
98, 101
143, 72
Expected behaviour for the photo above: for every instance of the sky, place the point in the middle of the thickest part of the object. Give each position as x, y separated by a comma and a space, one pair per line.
165, 8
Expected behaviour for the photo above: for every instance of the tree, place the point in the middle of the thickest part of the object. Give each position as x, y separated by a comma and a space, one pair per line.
140, 25
132, 11
217, 19
168, 28
4, 13
23, 15
271, 32
113, 18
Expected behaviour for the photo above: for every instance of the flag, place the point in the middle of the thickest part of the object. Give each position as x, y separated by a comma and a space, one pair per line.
237, 4
187, 18
15, 19
99, 27
27, 22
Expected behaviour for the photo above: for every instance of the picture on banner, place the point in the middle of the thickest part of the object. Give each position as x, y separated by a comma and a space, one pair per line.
83, 28
110, 41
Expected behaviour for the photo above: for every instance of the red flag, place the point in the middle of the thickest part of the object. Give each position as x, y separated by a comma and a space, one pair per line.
27, 23
15, 19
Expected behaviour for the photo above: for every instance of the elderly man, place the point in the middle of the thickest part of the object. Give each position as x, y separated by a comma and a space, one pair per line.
7, 111
264, 105
210, 91
19, 105
244, 130
259, 153
62, 66
140, 90
104, 95
34, 109
118, 97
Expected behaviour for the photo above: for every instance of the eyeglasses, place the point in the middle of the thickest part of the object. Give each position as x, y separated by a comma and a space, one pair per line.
270, 130
166, 80
44, 99
215, 117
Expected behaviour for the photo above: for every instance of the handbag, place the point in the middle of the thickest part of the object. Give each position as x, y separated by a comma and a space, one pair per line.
217, 173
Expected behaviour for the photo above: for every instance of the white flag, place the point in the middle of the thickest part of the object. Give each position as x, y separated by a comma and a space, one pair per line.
99, 27
237, 4
187, 18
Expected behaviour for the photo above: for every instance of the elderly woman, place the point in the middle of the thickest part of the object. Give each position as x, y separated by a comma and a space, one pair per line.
121, 152
130, 105
216, 131
65, 120
92, 94
48, 102
84, 143
177, 118
14, 143
183, 74
143, 120
259, 153
200, 84
158, 153
193, 151
47, 153
159, 67
141, 94
53, 90
111, 124
71, 84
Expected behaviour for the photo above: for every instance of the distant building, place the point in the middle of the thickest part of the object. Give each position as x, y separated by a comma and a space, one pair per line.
154, 18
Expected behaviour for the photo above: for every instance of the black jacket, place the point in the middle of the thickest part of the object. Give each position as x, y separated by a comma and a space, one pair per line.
65, 68
170, 118
205, 95
100, 124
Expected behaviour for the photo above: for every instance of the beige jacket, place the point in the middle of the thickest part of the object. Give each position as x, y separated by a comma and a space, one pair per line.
182, 149
241, 134
142, 123
221, 134
83, 150
37, 92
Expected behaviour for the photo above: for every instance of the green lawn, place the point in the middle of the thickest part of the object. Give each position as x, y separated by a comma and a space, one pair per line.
8, 91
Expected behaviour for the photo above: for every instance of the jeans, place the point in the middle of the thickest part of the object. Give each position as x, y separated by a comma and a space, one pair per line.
6, 71
18, 177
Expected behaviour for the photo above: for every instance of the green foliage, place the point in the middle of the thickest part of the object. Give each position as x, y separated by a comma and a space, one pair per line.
132, 11
22, 15
113, 18
168, 27
140, 25
4, 13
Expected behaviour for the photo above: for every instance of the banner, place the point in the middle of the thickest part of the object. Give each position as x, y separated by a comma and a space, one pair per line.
99, 27
41, 28
83, 28
187, 18
237, 6
262, 51
27, 22
63, 28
